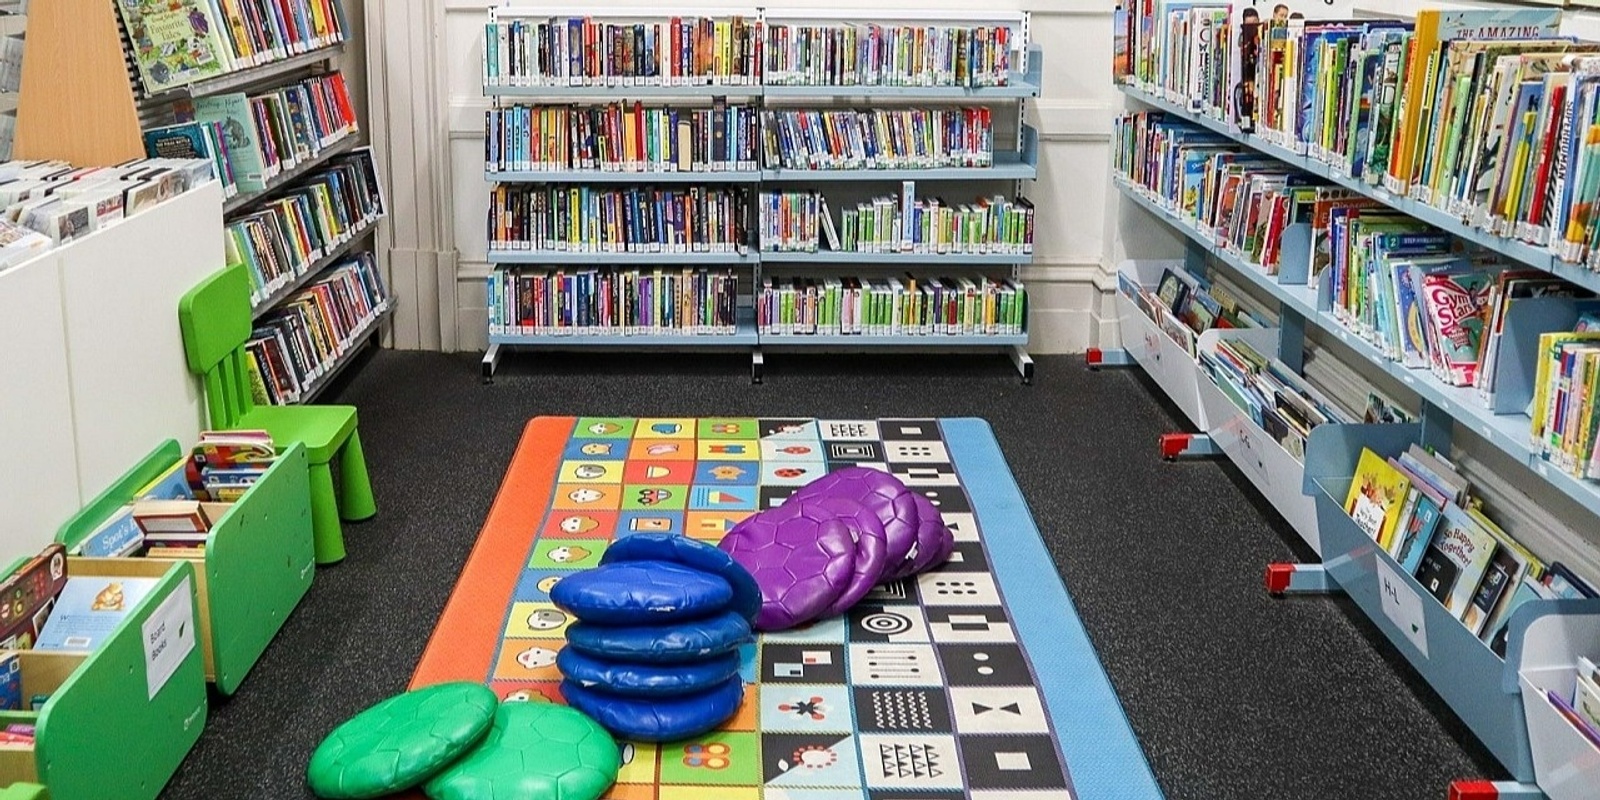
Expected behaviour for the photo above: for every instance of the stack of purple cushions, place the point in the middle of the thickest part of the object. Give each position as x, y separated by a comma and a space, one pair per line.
823, 550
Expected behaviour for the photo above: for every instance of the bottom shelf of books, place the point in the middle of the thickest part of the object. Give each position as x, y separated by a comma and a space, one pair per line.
297, 348
1450, 589
1155, 338
113, 664
1561, 697
235, 508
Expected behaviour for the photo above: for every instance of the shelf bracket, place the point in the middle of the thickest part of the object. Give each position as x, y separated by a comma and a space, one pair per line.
491, 360
1292, 339
1494, 790
1285, 579
1115, 357
1023, 362
1437, 427
758, 365
1187, 445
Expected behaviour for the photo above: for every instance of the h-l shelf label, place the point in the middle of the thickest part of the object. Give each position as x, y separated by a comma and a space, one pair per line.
1401, 605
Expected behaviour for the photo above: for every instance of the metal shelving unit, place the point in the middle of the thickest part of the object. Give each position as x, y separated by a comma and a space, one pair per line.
1014, 164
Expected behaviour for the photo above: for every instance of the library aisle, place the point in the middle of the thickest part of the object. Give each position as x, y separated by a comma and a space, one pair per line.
1231, 693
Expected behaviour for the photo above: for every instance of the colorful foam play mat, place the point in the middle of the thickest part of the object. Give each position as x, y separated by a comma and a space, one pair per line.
973, 681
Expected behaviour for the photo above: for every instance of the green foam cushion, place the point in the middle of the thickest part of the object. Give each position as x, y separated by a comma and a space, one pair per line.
401, 742
535, 751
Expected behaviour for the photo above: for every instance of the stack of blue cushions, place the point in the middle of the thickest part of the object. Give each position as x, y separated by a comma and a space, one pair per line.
654, 655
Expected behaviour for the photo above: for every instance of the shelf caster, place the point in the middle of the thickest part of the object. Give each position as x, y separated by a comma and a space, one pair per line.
1494, 790
1187, 445
491, 360
1116, 357
757, 366
1024, 364
1285, 579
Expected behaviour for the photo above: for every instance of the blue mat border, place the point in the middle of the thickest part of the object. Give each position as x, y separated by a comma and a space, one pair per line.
1103, 756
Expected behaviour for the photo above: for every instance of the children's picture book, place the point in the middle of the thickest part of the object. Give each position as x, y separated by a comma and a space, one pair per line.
173, 484
89, 609
10, 682
1376, 495
118, 536
27, 595
1456, 560
1173, 291
1503, 572
1528, 590
230, 448
175, 42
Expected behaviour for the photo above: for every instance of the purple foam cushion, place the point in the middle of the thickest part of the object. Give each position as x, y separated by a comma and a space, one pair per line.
801, 555
872, 551
880, 492
935, 542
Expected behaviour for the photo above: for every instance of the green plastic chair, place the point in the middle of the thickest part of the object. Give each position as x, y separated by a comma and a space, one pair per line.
24, 791
215, 319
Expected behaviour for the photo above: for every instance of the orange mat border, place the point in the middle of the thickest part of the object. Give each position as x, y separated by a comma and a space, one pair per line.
462, 645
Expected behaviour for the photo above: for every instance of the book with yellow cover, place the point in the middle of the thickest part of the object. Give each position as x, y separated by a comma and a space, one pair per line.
1377, 495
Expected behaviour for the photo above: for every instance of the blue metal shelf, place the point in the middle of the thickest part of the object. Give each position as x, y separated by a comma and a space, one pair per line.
1508, 433
826, 340
844, 257
613, 92
559, 257
1514, 249
600, 176
744, 336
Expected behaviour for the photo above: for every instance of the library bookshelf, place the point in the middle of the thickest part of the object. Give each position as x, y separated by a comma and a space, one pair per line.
1015, 161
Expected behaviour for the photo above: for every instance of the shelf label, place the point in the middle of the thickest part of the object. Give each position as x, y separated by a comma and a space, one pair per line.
168, 637
1402, 606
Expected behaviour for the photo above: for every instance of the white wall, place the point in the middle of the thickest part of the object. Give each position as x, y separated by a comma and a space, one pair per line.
423, 59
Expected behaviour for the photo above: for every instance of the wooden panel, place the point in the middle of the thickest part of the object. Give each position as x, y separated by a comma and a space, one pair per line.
77, 103
38, 465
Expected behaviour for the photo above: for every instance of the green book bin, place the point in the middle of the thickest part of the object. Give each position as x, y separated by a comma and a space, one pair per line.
118, 721
257, 564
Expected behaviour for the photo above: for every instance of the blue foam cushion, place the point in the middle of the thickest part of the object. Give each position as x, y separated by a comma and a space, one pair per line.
658, 720
674, 643
691, 553
645, 680
641, 592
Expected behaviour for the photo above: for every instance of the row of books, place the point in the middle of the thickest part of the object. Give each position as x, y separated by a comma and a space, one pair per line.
1276, 398
621, 138
282, 239
303, 338
1419, 509
1566, 397
1481, 114
173, 514
613, 302
1582, 706
254, 138
910, 306
738, 51
1185, 305
796, 221
878, 138
585, 219
886, 55
47, 203
178, 42
579, 51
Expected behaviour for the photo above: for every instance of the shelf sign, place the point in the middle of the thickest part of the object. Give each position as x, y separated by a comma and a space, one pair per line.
1402, 606
168, 637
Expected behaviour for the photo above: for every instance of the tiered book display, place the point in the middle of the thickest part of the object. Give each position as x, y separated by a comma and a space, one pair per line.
647, 168
253, 88
1424, 193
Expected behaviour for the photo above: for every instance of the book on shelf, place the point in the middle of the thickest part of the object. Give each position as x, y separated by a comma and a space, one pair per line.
89, 609
877, 138
795, 221
613, 302
640, 219
1376, 497
1279, 401
283, 238
28, 595
851, 54
179, 42
302, 339
908, 306
670, 50
621, 137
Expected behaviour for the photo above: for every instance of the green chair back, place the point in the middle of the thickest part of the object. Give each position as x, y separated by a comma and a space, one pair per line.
215, 319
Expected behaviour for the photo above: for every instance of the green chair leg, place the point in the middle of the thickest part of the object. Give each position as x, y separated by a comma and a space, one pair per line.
355, 498
326, 534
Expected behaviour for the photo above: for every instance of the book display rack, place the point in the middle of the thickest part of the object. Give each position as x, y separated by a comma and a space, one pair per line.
1498, 690
642, 167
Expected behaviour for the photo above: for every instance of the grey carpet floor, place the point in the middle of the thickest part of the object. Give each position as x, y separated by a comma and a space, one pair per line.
1231, 693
